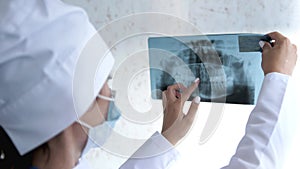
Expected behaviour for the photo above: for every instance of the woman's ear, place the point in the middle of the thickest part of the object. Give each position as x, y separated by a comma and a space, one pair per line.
93, 116
105, 90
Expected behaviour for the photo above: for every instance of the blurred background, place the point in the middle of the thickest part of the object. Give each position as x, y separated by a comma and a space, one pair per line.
209, 16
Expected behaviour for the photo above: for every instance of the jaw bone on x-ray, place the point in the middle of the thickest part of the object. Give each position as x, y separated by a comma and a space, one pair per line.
229, 66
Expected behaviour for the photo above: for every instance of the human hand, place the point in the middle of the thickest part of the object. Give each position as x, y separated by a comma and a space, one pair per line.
176, 124
281, 57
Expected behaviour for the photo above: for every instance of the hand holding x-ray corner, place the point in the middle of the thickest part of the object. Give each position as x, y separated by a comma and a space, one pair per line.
176, 124
281, 58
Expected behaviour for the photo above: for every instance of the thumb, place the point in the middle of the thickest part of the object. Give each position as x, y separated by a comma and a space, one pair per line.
265, 46
193, 109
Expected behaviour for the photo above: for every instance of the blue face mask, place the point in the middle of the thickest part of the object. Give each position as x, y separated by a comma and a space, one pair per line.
113, 114
98, 135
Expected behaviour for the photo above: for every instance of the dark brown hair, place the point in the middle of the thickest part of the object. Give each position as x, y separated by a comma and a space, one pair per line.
10, 158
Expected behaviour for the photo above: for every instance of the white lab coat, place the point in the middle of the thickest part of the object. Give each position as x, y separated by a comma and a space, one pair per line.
265, 141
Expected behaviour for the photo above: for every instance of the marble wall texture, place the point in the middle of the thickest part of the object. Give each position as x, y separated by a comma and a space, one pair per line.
103, 11
126, 25
210, 16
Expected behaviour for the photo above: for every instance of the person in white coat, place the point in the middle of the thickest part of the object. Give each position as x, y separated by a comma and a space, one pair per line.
53, 91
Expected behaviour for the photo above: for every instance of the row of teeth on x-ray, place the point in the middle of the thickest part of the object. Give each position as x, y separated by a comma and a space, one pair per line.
217, 80
214, 83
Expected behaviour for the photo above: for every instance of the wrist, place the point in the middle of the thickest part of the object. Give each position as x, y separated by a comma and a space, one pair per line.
169, 137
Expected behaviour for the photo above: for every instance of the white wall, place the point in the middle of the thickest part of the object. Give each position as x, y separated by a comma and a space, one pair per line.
102, 12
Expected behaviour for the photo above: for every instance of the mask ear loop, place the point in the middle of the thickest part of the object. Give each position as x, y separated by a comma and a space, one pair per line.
102, 97
113, 92
84, 124
106, 98
112, 98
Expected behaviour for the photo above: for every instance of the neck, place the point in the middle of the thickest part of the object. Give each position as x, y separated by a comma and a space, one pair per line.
62, 151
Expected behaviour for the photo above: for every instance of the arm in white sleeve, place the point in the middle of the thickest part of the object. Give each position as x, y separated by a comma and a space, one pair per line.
268, 131
156, 153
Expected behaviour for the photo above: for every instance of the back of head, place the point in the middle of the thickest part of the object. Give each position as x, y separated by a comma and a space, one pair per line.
9, 155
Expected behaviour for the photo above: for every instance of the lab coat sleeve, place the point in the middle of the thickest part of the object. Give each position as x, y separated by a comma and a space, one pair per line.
267, 131
156, 153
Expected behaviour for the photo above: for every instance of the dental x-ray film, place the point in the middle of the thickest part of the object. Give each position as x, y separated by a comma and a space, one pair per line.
228, 65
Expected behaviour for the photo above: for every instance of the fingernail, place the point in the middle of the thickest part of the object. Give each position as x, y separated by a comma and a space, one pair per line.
261, 43
197, 99
196, 80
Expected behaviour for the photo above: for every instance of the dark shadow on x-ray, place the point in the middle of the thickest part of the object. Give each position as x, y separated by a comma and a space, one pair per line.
230, 79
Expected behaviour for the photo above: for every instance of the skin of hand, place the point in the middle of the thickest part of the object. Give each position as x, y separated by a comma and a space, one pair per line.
281, 57
176, 124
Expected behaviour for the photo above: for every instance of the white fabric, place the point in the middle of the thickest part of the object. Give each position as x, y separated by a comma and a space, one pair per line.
49, 58
83, 164
155, 153
269, 132
161, 155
